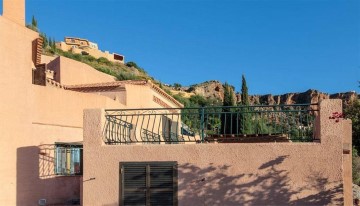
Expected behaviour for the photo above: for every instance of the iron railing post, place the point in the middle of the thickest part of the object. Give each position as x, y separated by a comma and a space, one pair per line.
202, 124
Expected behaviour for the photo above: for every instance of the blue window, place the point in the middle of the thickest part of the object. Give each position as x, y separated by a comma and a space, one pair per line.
68, 159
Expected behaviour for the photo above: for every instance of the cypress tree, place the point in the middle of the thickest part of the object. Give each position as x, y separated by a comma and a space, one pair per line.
245, 117
227, 124
34, 23
244, 93
53, 46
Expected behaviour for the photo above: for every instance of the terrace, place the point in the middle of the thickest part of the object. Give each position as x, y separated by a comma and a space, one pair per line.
240, 124
256, 155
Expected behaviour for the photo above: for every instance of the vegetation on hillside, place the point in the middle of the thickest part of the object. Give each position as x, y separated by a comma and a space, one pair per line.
128, 71
118, 70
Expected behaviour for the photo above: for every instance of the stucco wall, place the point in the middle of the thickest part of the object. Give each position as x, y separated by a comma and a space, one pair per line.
55, 116
33, 117
60, 107
15, 79
139, 96
14, 10
73, 72
46, 59
227, 174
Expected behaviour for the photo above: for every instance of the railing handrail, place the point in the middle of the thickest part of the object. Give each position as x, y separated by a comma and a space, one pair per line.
214, 107
284, 122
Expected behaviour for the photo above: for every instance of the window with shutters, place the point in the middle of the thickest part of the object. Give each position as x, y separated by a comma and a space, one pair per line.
148, 183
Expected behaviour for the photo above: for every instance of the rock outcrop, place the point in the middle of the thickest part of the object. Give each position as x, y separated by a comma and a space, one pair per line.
209, 89
215, 89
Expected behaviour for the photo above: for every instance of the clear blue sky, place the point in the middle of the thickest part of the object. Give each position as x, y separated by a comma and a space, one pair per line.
280, 45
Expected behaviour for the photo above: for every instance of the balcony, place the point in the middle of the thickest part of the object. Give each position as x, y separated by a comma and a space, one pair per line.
240, 124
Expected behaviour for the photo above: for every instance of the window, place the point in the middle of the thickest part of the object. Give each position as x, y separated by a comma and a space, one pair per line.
68, 159
148, 183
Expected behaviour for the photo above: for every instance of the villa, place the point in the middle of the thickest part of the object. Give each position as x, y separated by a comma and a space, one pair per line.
75, 136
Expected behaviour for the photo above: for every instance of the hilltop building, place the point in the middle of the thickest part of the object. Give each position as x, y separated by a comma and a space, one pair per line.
86, 47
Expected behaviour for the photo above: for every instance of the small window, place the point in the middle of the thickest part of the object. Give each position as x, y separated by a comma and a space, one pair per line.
68, 159
148, 183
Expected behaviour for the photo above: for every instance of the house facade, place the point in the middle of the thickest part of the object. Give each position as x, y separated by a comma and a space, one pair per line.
42, 122
140, 145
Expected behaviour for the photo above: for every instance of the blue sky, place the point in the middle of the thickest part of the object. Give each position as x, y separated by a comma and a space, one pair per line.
280, 45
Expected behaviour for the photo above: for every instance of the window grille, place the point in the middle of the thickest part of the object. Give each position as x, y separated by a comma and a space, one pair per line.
68, 159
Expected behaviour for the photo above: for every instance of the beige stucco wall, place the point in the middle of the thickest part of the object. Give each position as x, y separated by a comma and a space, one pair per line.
73, 72
139, 96
14, 10
35, 117
56, 116
15, 79
347, 162
55, 106
46, 59
227, 174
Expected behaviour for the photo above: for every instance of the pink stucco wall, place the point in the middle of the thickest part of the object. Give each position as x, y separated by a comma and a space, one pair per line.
228, 174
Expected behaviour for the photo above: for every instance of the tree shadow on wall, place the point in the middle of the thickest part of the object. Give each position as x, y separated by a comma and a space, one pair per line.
272, 186
35, 178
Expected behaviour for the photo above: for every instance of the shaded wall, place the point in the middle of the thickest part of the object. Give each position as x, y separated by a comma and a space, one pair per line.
227, 174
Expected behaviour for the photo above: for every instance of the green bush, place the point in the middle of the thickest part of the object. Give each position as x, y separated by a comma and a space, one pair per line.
103, 60
126, 76
133, 64
356, 167
89, 58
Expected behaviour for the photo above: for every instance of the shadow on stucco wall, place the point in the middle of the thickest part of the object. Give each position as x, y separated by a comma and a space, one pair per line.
35, 178
213, 186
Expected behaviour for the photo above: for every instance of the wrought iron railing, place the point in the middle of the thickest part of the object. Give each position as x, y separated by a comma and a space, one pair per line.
211, 124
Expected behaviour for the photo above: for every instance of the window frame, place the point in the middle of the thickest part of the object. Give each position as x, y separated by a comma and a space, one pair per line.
69, 150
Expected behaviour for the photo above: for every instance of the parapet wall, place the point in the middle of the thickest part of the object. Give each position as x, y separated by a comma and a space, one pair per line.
228, 174
71, 72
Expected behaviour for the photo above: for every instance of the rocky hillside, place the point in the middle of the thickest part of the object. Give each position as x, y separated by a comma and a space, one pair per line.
214, 89
209, 90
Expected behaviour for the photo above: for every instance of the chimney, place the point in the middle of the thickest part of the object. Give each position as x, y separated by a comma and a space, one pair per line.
14, 10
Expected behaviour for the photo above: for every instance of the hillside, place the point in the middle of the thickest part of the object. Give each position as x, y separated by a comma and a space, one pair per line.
128, 71
214, 89
202, 94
